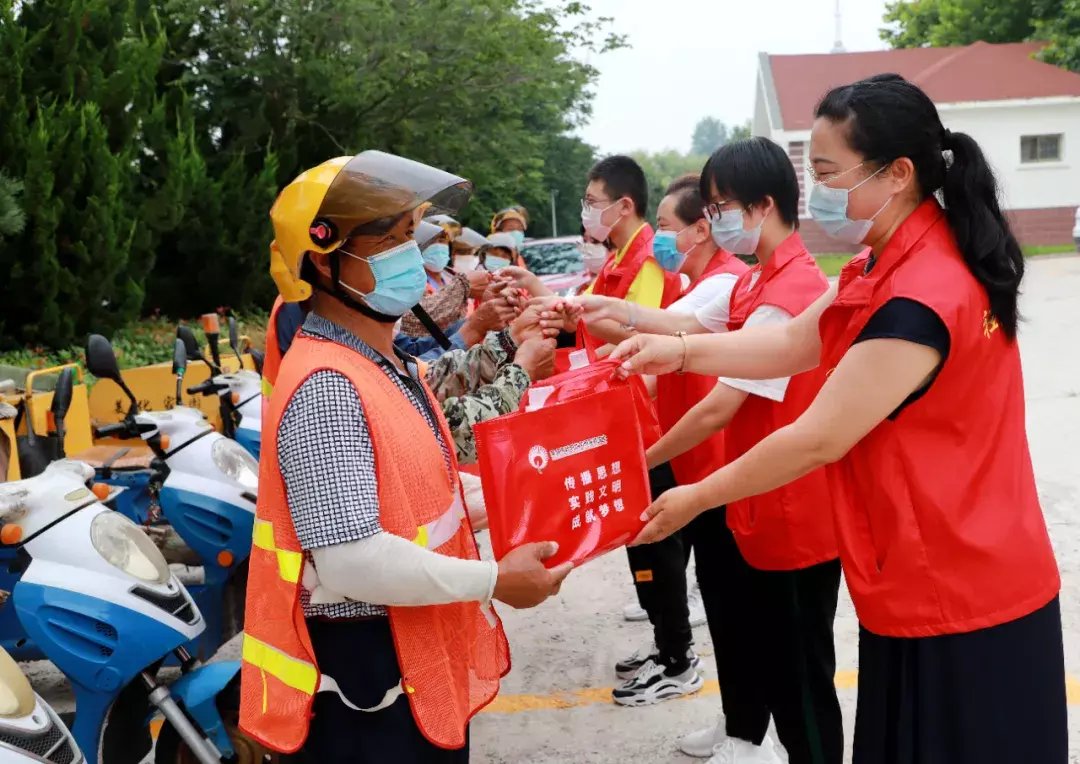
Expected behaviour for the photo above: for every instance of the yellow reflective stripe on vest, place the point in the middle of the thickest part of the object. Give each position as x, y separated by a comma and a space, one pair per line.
267, 388
289, 563
440, 530
297, 674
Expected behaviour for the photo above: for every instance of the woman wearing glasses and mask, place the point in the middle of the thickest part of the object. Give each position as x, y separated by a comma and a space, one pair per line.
920, 425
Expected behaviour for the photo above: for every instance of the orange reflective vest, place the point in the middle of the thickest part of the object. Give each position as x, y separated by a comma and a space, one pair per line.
451, 657
272, 355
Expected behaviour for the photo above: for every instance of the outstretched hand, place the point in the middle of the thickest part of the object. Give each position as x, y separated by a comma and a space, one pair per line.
650, 354
672, 511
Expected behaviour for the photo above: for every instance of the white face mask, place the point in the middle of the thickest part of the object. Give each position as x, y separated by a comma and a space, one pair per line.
728, 233
593, 221
828, 207
594, 255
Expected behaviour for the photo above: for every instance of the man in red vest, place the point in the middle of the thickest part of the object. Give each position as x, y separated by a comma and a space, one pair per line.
369, 633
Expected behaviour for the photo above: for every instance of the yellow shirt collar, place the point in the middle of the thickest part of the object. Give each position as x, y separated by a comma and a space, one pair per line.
622, 252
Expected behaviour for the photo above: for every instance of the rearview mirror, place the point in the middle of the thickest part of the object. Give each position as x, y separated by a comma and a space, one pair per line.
257, 358
61, 401
191, 345
100, 358
180, 357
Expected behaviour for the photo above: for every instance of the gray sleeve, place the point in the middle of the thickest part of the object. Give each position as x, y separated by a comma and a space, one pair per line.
328, 463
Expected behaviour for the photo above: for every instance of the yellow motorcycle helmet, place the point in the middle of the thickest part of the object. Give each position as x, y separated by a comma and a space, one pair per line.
325, 205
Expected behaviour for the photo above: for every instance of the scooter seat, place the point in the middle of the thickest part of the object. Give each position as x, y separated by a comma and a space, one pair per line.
116, 457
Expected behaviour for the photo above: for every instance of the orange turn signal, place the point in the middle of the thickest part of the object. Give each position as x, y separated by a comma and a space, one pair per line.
225, 558
11, 534
164, 442
210, 323
101, 490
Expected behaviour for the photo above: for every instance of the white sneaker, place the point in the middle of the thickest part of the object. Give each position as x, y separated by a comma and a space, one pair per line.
627, 668
702, 743
634, 612
652, 685
735, 751
697, 607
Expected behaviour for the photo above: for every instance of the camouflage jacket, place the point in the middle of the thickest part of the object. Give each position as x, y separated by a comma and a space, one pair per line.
476, 385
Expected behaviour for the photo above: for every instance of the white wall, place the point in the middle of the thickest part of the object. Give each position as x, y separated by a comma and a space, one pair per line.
998, 128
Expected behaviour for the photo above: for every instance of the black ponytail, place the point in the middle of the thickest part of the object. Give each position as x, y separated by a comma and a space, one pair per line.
888, 118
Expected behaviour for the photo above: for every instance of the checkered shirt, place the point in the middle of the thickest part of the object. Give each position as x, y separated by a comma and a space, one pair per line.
328, 462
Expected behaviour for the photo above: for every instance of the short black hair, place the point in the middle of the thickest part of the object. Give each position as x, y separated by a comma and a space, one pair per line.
622, 176
689, 204
751, 169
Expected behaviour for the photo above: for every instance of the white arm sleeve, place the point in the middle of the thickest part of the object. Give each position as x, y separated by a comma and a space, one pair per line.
773, 389
385, 569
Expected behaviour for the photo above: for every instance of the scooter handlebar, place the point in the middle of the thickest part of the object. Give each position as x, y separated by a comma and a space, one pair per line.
111, 430
206, 388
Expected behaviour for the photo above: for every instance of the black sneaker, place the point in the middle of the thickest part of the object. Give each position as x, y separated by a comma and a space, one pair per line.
628, 667
652, 685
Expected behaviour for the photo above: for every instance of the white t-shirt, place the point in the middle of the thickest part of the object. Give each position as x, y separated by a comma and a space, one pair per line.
715, 316
713, 289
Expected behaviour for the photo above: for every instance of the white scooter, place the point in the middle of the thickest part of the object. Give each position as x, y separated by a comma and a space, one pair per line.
30, 731
206, 485
240, 392
96, 596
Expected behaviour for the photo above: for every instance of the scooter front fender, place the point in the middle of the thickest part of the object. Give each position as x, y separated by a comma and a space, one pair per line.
198, 691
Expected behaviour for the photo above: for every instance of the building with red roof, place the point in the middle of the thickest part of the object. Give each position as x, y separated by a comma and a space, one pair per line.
1024, 113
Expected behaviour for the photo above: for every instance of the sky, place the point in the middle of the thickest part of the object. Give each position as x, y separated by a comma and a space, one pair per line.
690, 59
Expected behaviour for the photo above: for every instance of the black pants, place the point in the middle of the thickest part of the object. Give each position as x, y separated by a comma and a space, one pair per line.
773, 636
360, 656
993, 696
659, 572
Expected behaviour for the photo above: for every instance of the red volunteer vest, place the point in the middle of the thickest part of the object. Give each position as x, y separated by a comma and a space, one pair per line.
451, 657
676, 394
937, 515
791, 527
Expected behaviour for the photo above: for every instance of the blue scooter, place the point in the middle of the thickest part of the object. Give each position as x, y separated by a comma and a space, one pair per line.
96, 597
203, 484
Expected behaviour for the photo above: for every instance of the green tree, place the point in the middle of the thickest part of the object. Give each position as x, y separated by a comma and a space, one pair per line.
709, 135
12, 217
490, 89
662, 168
916, 23
740, 132
76, 97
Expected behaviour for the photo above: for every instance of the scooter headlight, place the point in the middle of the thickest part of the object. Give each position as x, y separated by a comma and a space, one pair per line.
231, 458
124, 545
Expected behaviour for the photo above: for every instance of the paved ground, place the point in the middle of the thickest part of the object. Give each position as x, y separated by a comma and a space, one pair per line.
555, 704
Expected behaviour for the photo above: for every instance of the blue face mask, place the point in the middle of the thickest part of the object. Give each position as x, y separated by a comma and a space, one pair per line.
728, 233
400, 279
828, 207
666, 251
437, 257
496, 263
519, 237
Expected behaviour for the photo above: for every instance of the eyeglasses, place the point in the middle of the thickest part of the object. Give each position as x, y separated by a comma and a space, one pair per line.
714, 211
586, 205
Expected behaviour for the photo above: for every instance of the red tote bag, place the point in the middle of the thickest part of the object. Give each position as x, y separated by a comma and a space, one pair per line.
572, 471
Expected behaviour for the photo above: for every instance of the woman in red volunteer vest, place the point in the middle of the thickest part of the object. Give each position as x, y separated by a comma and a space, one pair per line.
684, 247
369, 635
921, 425
771, 588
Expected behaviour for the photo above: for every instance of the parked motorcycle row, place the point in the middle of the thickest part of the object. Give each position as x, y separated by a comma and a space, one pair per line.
127, 558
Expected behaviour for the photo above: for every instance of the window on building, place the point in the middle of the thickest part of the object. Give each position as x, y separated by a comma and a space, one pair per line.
1040, 148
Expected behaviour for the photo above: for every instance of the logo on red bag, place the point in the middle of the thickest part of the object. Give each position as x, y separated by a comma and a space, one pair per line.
538, 458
